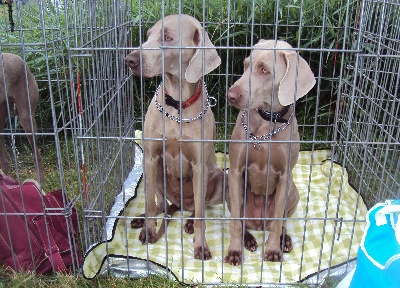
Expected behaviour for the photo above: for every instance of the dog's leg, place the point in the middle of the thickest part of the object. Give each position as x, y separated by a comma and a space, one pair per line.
138, 222
28, 123
148, 232
234, 254
199, 226
293, 200
215, 187
25, 105
214, 197
189, 228
273, 251
3, 152
171, 209
250, 242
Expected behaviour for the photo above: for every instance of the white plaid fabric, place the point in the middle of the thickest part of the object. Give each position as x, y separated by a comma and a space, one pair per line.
319, 240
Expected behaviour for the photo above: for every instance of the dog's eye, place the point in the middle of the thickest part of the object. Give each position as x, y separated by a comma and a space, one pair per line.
264, 70
167, 38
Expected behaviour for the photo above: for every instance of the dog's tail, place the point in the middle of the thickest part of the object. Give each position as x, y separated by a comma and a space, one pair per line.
164, 224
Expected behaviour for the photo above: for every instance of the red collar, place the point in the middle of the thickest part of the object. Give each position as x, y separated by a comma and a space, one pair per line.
176, 104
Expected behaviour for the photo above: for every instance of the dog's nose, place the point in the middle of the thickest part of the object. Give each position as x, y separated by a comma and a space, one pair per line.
233, 96
132, 59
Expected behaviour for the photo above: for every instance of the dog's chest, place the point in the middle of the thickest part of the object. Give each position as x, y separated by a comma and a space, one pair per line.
177, 163
260, 178
266, 164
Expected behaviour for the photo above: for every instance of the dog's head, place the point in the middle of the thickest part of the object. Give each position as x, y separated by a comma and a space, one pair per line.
274, 74
177, 43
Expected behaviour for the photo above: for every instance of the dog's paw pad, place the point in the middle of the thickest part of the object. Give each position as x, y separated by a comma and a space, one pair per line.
137, 222
198, 253
287, 244
233, 257
250, 243
147, 237
274, 255
189, 226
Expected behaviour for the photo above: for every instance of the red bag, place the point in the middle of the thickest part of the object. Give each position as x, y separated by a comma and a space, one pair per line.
33, 235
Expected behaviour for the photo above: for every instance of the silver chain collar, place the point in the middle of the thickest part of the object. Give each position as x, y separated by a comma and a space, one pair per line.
185, 120
257, 139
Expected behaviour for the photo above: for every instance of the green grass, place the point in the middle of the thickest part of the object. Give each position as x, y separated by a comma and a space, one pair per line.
10, 279
25, 168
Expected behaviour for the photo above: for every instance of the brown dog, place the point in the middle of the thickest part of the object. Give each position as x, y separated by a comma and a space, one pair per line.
274, 77
20, 90
185, 106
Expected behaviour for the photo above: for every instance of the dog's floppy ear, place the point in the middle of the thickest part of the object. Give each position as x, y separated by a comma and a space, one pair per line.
297, 81
210, 61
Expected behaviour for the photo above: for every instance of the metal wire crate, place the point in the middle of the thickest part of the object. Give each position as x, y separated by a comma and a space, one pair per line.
97, 108
35, 31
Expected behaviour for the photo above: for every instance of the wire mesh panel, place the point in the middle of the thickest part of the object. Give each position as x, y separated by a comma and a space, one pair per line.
93, 106
34, 32
369, 128
104, 105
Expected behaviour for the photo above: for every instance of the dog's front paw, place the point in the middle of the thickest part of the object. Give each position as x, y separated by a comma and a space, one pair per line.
198, 253
147, 237
274, 255
138, 222
287, 244
250, 243
233, 257
189, 228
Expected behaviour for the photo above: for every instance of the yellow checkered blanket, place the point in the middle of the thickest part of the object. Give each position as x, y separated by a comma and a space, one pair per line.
319, 239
